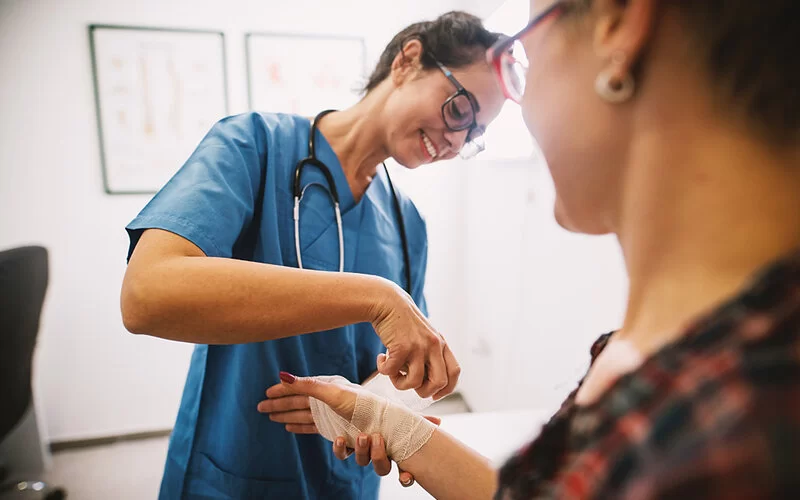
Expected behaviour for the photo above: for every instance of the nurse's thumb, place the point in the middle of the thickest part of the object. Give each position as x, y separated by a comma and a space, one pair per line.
392, 363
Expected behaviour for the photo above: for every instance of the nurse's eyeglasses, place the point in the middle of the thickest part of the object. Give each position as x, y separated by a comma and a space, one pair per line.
507, 56
459, 112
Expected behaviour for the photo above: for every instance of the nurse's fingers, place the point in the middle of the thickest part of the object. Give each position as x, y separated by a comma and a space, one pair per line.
436, 379
380, 462
415, 376
453, 374
433, 420
286, 403
394, 360
417, 371
382, 359
302, 428
293, 417
396, 376
363, 450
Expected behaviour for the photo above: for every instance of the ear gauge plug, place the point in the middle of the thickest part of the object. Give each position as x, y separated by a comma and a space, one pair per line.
612, 87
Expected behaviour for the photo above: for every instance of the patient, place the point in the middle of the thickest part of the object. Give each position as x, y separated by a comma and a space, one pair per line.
675, 126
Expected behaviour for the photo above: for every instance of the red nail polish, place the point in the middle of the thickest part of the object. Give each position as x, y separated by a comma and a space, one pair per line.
287, 377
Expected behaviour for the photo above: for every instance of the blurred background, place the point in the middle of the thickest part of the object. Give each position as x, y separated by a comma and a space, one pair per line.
519, 299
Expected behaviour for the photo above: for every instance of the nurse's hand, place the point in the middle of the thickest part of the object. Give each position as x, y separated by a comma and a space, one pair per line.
417, 356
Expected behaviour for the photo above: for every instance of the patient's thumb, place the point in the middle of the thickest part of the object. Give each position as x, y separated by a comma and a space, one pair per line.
309, 386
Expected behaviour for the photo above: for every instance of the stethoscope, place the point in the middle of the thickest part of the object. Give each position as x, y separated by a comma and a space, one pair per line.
299, 192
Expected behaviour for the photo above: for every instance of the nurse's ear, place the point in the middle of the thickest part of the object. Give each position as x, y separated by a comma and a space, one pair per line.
407, 63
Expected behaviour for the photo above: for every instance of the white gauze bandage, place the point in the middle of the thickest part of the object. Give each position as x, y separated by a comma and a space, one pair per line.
404, 431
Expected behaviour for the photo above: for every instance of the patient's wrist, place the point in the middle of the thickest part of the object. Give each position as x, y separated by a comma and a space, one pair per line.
404, 431
418, 457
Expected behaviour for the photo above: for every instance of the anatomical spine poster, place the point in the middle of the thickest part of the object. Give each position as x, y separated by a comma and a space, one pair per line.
158, 92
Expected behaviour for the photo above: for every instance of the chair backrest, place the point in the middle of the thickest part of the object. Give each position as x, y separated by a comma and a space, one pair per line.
23, 283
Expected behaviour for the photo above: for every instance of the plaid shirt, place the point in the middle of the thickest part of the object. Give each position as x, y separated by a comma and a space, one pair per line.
714, 415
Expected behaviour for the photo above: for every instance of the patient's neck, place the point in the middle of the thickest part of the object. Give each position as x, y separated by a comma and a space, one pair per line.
698, 221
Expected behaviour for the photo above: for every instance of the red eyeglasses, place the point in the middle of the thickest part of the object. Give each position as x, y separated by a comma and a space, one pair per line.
507, 57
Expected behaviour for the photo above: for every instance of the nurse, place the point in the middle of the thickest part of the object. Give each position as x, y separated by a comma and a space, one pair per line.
216, 259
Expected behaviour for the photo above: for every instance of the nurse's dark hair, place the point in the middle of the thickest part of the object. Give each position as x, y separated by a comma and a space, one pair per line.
456, 39
749, 49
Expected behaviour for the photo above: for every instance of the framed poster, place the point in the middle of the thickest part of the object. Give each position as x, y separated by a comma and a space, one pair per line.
157, 92
303, 74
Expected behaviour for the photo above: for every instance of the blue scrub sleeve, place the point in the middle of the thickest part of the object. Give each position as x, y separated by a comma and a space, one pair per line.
210, 200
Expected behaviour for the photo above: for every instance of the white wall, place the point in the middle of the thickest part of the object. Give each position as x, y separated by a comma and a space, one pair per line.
537, 296
519, 299
92, 377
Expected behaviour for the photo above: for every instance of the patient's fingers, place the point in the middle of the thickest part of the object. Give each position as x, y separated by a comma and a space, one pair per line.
278, 391
293, 417
341, 399
302, 428
287, 403
406, 478
363, 450
380, 462
340, 450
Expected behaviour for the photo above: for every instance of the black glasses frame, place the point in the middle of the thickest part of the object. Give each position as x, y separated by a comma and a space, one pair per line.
460, 91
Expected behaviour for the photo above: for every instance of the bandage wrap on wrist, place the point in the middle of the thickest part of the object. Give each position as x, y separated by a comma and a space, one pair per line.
404, 431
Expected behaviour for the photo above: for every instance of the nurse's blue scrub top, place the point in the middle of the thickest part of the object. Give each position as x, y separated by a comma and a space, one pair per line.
221, 447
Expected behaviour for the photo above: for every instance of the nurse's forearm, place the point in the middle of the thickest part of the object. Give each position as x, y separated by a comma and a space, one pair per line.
224, 301
449, 469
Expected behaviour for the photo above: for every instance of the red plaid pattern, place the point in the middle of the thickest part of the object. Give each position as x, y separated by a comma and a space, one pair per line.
714, 415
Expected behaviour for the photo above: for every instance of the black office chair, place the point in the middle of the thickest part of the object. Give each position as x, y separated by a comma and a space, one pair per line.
23, 283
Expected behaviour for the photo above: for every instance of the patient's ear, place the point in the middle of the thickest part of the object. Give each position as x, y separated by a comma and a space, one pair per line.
623, 28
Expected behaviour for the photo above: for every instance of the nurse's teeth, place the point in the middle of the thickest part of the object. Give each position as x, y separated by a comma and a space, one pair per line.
429, 145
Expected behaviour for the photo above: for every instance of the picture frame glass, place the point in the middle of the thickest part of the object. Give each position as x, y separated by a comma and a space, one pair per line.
304, 75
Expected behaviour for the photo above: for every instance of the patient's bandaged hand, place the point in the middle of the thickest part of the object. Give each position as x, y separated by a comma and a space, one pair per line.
404, 431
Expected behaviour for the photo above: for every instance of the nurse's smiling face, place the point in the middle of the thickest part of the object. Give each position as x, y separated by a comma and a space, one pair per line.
416, 132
